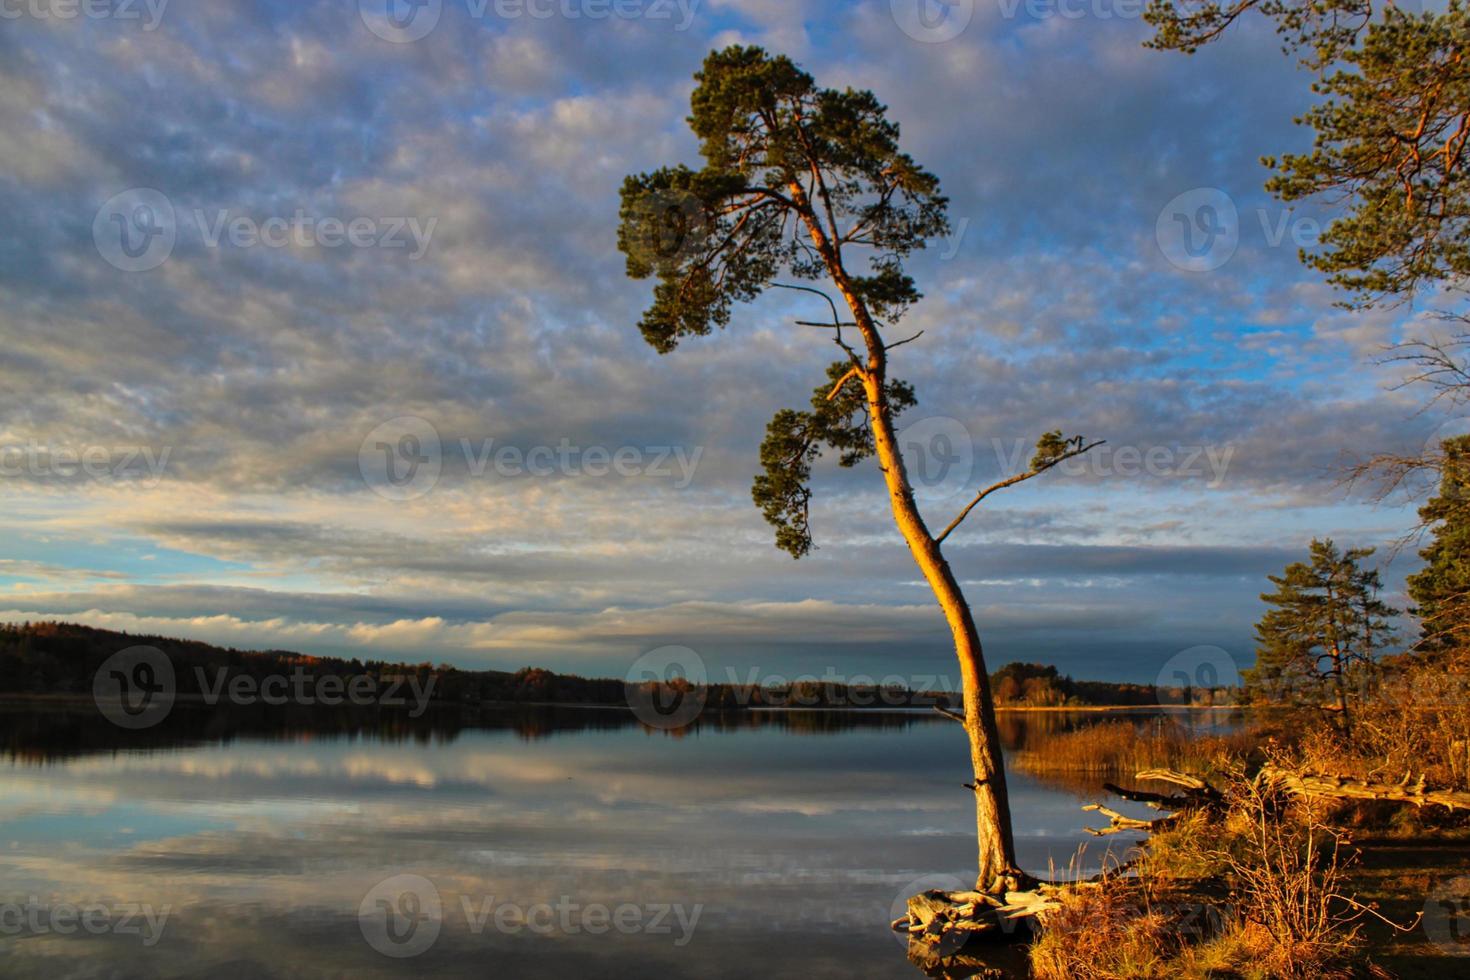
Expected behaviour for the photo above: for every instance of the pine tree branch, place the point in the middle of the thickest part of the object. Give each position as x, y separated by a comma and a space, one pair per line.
1010, 482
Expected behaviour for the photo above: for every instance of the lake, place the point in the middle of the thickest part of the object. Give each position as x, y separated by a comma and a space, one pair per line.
551, 842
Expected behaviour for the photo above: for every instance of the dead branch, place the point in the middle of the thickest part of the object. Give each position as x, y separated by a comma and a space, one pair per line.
1178, 779
906, 340
1120, 823
1012, 481
1158, 801
955, 715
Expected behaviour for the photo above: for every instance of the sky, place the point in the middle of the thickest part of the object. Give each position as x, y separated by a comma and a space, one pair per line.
254, 254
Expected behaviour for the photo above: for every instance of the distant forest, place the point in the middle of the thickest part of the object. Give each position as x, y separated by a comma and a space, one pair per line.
53, 658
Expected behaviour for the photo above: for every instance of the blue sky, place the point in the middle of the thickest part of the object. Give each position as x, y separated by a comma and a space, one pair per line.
233, 370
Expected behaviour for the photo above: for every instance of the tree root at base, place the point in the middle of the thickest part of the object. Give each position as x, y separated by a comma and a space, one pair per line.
966, 933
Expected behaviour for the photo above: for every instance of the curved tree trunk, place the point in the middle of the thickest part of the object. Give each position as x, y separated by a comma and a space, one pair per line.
997, 852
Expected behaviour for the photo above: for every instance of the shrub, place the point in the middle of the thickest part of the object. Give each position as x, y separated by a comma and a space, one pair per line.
1257, 891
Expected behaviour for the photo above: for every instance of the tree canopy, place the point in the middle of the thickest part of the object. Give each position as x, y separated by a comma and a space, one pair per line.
1441, 590
1391, 126
792, 174
1326, 624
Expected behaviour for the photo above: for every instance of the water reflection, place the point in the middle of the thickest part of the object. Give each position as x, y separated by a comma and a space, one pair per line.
264, 832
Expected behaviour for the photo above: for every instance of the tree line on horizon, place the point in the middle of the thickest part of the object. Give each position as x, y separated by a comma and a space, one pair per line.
60, 658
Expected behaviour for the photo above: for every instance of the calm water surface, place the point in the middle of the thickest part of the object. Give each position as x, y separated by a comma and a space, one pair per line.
769, 844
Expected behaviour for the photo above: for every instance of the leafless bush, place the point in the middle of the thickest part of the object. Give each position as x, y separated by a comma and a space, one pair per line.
1418, 721
1287, 868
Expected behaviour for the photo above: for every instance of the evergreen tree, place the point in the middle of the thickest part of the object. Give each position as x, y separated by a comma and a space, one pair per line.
1324, 630
1391, 130
1441, 591
809, 184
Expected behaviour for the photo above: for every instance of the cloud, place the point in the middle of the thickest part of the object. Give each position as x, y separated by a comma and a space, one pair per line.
260, 371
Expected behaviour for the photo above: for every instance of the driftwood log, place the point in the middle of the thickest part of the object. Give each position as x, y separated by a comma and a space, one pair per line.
1200, 795
1196, 794
971, 930
1409, 790
1118, 822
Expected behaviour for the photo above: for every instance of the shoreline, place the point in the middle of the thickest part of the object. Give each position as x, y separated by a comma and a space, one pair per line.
199, 700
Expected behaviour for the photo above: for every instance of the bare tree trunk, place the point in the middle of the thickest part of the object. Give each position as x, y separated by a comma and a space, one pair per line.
996, 842
997, 851
1339, 678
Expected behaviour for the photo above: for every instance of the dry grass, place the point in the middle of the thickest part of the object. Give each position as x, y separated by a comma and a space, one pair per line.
1099, 934
1264, 890
1122, 748
1123, 931
1260, 893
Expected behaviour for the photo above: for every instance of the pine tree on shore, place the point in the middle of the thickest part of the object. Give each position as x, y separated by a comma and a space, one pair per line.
1441, 590
1323, 632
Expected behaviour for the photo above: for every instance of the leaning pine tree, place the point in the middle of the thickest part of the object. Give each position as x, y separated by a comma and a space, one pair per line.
796, 179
